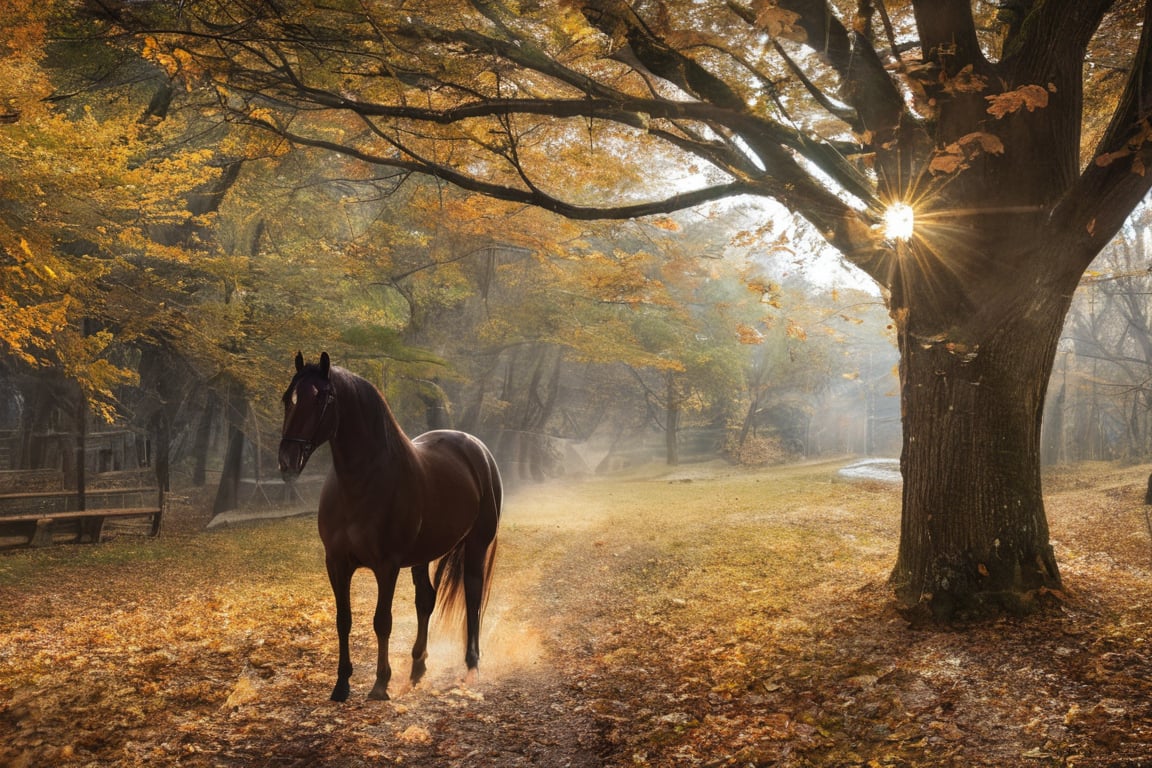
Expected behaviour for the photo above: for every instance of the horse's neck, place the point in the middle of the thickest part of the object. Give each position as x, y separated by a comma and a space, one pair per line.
367, 432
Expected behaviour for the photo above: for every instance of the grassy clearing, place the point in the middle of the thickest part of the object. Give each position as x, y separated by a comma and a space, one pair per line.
702, 616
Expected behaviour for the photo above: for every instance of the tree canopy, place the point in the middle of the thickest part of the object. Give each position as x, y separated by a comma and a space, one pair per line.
836, 113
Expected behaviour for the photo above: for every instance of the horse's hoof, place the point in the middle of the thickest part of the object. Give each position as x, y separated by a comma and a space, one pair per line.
340, 692
378, 693
472, 676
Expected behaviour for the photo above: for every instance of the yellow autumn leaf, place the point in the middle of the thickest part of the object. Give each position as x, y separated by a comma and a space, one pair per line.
262, 115
244, 693
746, 334
966, 81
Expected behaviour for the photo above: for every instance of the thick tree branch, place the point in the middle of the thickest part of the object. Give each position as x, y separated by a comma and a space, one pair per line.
769, 141
844, 227
867, 86
1097, 205
533, 197
948, 35
1051, 32
616, 18
884, 120
849, 116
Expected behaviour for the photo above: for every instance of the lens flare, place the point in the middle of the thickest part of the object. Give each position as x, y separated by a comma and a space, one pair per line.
899, 220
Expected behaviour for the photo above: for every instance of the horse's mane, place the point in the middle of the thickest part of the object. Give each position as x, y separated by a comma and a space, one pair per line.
355, 394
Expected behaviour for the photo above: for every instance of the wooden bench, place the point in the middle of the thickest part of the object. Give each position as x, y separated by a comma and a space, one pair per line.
41, 518
87, 525
67, 500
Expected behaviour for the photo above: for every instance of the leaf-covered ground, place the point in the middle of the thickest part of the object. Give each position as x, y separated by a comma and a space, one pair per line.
700, 617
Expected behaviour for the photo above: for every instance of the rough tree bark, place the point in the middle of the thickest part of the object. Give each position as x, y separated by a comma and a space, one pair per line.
979, 310
974, 535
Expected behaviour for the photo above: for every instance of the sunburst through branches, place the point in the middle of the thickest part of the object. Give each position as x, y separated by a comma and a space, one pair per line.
899, 221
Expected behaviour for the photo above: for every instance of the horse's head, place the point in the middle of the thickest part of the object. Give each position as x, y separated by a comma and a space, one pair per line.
310, 414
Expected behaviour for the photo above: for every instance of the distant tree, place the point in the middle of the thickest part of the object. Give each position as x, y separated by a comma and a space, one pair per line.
818, 356
1104, 377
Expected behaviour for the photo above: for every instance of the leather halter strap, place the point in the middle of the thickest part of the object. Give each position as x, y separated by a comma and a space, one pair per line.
310, 444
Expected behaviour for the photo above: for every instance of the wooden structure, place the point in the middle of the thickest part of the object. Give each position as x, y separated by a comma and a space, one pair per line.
112, 491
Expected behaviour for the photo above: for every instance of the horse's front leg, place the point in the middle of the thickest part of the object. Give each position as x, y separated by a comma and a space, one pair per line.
382, 623
340, 575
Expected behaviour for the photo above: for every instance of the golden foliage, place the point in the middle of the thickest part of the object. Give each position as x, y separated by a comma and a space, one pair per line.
748, 335
87, 185
778, 22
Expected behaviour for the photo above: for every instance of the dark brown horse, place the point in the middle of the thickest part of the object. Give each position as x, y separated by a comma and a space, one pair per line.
392, 503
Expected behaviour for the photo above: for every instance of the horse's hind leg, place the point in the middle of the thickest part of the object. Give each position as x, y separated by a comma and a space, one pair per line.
475, 560
340, 575
425, 603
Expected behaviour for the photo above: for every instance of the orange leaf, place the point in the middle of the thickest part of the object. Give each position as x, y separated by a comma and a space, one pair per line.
1030, 97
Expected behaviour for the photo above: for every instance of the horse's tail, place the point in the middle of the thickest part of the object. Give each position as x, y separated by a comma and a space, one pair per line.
449, 578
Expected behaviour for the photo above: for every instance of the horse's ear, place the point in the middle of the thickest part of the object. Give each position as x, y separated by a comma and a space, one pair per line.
325, 364
299, 362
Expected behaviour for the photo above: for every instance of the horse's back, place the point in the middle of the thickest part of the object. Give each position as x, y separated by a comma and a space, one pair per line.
464, 490
451, 446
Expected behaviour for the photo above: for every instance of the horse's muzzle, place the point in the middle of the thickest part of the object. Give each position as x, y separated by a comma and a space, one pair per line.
293, 456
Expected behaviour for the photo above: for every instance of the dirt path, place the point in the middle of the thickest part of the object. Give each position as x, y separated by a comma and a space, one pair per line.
548, 596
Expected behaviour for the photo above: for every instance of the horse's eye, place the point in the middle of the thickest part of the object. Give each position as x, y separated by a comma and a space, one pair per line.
293, 397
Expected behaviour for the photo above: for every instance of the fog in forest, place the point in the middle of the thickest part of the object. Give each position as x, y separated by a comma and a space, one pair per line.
701, 338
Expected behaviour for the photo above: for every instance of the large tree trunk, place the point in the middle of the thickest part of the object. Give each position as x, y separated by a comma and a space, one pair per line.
974, 536
979, 298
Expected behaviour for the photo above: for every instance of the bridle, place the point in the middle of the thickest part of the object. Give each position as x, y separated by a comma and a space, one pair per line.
307, 445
